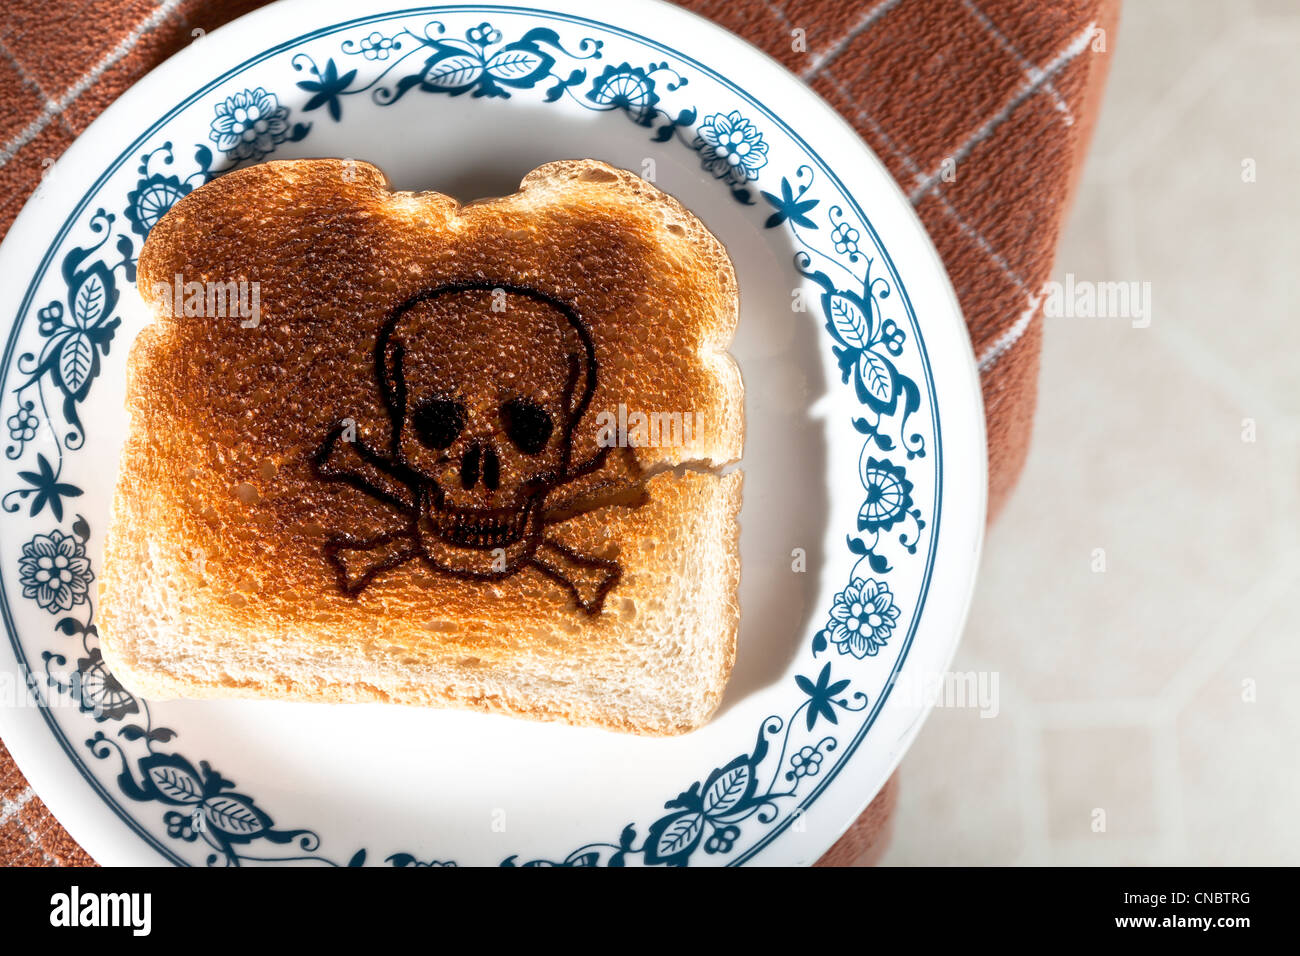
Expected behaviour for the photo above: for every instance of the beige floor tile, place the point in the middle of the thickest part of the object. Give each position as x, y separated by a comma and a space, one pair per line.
1097, 850
1221, 252
1139, 469
1100, 784
1083, 250
966, 809
1237, 756
1163, 51
1271, 11
1130, 680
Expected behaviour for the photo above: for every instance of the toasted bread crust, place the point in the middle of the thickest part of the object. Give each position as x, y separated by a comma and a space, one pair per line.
216, 580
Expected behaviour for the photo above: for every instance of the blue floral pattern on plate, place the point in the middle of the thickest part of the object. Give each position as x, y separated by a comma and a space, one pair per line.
730, 147
250, 125
55, 572
862, 618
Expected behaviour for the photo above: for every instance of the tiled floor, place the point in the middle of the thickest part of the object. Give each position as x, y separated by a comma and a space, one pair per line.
1138, 596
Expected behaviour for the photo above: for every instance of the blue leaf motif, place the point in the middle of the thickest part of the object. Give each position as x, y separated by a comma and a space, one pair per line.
876, 375
515, 64
727, 791
850, 322
175, 784
232, 813
679, 835
453, 72
53, 344
76, 361
88, 303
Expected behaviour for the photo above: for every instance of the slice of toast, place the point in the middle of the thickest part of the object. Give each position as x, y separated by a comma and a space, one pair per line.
440, 454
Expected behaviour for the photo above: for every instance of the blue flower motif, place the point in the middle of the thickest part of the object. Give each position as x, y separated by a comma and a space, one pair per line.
249, 125
821, 696
790, 205
846, 239
50, 318
483, 35
889, 495
722, 839
47, 488
22, 424
627, 88
181, 825
730, 147
862, 618
893, 337
376, 46
807, 762
99, 691
55, 571
151, 199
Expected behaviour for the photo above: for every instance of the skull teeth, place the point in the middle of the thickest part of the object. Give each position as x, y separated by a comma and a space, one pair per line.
482, 528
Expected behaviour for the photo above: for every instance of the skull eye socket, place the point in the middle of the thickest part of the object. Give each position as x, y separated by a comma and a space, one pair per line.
527, 424
438, 422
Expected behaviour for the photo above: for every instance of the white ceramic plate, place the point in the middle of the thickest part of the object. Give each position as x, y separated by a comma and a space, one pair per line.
865, 468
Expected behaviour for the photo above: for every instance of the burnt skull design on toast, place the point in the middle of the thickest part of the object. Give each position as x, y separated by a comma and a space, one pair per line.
484, 385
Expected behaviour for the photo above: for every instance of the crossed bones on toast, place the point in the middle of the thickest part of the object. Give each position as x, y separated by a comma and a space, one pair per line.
616, 479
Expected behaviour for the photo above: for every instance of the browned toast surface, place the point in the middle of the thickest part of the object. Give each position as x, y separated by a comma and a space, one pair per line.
419, 397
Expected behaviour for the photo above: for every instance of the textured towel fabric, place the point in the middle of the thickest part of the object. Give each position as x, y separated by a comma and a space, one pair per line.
981, 109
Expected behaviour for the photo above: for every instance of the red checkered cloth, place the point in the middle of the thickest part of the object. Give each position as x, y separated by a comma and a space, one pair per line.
981, 109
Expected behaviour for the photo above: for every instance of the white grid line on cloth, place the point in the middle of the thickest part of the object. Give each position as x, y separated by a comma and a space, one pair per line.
38, 834
987, 247
778, 11
1017, 329
11, 775
869, 16
999, 347
1021, 60
87, 80
35, 84
37, 837
10, 806
1031, 86
970, 231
